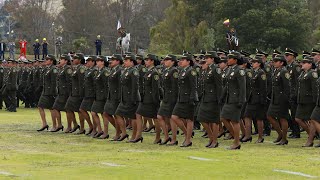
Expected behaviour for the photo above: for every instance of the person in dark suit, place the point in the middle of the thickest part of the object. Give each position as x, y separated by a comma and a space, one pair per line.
234, 95
130, 98
306, 95
279, 105
49, 92
187, 96
113, 95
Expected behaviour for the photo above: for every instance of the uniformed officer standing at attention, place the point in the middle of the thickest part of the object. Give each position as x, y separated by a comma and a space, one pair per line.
10, 86
294, 70
306, 95
113, 95
315, 119
77, 93
36, 49
49, 92
150, 99
101, 91
209, 109
1, 82
316, 58
89, 95
187, 96
130, 98
257, 100
278, 111
63, 87
98, 44
234, 95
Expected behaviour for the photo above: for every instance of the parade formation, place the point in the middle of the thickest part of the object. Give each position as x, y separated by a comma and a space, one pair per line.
232, 94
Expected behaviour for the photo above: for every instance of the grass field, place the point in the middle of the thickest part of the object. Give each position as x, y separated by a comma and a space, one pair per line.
27, 154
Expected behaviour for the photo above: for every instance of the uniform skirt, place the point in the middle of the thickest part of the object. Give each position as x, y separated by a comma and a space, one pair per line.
127, 110
209, 112
98, 106
231, 112
316, 114
148, 110
184, 110
46, 102
279, 110
86, 103
110, 107
255, 111
166, 109
304, 111
73, 103
60, 102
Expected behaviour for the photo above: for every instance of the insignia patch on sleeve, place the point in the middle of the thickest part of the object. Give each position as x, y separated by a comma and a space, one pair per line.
156, 77
249, 74
218, 70
193, 72
69, 71
287, 75
298, 68
107, 73
82, 70
55, 71
144, 69
267, 69
135, 72
315, 75
242, 73
263, 77
175, 75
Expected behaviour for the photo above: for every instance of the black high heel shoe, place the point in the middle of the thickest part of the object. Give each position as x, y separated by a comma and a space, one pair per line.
98, 134
246, 140
277, 140
81, 132
137, 140
89, 132
209, 144
166, 141
188, 145
58, 129
104, 137
150, 128
222, 134
74, 129
260, 141
213, 145
173, 144
124, 137
283, 142
43, 128
235, 148
158, 142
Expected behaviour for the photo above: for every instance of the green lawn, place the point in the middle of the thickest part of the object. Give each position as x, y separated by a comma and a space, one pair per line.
27, 154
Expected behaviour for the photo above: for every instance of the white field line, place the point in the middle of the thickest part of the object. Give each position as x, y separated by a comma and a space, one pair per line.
295, 173
201, 158
111, 164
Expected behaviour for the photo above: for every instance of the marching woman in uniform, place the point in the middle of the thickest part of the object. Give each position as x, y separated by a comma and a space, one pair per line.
279, 105
257, 101
130, 98
113, 95
306, 96
170, 93
150, 99
187, 96
101, 92
47, 98
64, 89
209, 110
315, 118
234, 95
89, 95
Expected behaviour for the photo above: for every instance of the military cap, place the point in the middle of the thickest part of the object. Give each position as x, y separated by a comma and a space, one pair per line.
261, 53
213, 54
280, 58
308, 59
223, 59
305, 53
235, 55
315, 51
11, 60
92, 58
202, 52
50, 56
186, 56
116, 57
290, 52
221, 51
244, 53
151, 56
103, 58
140, 57
79, 56
276, 52
131, 57
31, 61
170, 57
65, 56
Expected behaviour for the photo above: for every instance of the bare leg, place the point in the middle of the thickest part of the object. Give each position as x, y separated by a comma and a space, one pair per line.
208, 129
276, 126
260, 129
236, 130
139, 128
54, 122
178, 121
174, 129
43, 117
122, 126
284, 126
96, 119
228, 125
248, 126
303, 124
105, 127
243, 128
158, 131
162, 122
189, 131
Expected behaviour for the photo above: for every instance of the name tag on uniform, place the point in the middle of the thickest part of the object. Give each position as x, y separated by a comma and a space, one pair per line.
183, 73
278, 74
149, 75
232, 74
167, 74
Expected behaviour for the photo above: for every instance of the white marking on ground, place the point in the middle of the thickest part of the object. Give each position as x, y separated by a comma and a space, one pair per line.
132, 150
295, 173
6, 173
201, 158
315, 159
112, 164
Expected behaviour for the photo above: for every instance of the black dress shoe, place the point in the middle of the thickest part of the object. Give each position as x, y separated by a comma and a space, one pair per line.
246, 140
157, 142
75, 129
213, 145
173, 144
81, 132
104, 137
283, 142
209, 144
205, 134
235, 148
277, 140
137, 140
186, 145
58, 129
150, 128
222, 134
308, 145
89, 132
98, 134
260, 141
43, 128
124, 137
166, 141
